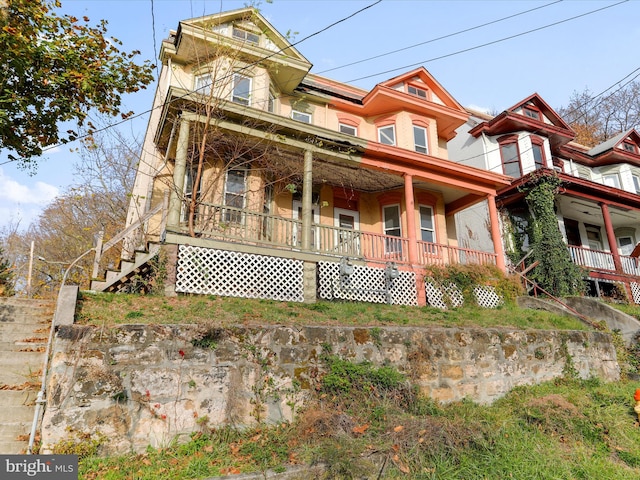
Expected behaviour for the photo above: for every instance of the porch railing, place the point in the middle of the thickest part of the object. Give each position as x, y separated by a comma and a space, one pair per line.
596, 259
249, 227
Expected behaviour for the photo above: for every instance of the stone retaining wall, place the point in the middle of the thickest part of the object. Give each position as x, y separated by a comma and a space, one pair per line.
142, 385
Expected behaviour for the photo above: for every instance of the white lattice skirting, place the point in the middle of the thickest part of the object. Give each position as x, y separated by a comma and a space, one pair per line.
366, 284
235, 274
635, 291
449, 295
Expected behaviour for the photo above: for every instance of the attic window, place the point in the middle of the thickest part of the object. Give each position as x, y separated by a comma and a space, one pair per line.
629, 147
418, 92
531, 112
245, 36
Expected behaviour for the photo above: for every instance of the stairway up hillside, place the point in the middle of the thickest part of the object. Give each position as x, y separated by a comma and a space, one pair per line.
24, 331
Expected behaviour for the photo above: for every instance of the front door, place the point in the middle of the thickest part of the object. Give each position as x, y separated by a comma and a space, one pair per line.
297, 226
347, 236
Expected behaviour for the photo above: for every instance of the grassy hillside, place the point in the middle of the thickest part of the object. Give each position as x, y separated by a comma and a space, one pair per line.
367, 422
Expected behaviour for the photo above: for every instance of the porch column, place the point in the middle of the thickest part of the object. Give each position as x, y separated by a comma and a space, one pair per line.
611, 237
182, 150
307, 191
411, 219
495, 232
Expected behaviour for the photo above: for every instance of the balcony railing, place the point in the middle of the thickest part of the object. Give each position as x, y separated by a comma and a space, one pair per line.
596, 259
253, 228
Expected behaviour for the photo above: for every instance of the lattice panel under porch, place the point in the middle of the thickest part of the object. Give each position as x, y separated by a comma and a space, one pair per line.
365, 284
234, 274
449, 295
635, 291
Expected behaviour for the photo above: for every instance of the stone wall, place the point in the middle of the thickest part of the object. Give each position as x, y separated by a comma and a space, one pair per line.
142, 385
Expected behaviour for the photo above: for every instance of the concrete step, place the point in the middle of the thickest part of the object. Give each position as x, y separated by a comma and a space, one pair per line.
8, 316
15, 414
20, 362
15, 398
26, 302
24, 336
21, 376
13, 448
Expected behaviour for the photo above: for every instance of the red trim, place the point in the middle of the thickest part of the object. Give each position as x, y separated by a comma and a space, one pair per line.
425, 198
389, 198
505, 141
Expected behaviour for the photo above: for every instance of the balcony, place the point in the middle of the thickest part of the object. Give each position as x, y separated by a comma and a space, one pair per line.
241, 226
603, 261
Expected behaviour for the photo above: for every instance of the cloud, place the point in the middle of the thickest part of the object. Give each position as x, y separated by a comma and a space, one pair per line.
39, 193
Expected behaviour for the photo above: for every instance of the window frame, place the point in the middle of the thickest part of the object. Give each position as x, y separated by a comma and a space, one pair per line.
629, 147
417, 91
245, 37
233, 216
532, 112
539, 144
615, 176
424, 229
392, 128
344, 126
636, 183
235, 97
506, 142
301, 114
202, 89
426, 140
187, 190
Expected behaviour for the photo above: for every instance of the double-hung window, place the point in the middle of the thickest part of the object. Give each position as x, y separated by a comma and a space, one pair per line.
611, 180
537, 148
636, 183
189, 180
510, 157
427, 230
418, 92
420, 139
234, 194
245, 36
387, 135
241, 89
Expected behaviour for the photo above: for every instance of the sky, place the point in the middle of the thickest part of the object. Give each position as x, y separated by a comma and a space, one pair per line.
487, 54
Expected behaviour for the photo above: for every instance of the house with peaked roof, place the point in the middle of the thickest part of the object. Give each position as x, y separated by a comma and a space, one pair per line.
598, 206
260, 179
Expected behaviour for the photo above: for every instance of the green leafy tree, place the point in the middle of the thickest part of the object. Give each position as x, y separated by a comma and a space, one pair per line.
57, 68
6, 276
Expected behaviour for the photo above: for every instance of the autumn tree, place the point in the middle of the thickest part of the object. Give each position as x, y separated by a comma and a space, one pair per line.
595, 118
57, 68
69, 225
6, 276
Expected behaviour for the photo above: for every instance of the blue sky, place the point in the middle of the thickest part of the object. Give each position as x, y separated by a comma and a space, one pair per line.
595, 50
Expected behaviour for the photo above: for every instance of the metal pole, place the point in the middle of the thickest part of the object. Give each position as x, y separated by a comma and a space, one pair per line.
30, 271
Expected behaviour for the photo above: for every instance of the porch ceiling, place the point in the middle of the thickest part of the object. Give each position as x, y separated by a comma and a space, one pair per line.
588, 211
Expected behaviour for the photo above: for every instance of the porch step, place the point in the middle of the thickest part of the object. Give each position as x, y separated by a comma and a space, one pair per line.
115, 279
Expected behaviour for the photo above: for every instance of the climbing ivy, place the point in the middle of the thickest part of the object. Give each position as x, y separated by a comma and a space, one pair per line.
556, 272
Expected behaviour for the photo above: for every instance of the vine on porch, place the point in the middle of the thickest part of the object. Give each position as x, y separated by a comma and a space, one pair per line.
555, 272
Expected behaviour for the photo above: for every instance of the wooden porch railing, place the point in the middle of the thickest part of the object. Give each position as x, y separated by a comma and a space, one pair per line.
596, 259
244, 226
101, 248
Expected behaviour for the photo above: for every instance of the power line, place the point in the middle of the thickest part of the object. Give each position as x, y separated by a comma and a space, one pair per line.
486, 44
153, 31
459, 32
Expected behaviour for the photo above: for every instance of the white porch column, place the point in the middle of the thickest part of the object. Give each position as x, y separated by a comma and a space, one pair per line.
182, 150
307, 198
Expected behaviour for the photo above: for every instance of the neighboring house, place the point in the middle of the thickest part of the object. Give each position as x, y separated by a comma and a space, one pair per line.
599, 204
309, 188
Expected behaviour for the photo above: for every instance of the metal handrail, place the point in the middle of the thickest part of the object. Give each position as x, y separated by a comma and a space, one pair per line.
40, 400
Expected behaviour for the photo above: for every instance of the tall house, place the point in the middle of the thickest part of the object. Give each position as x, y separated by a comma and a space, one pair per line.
598, 204
261, 179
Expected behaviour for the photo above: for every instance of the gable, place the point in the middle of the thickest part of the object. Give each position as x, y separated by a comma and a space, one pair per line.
536, 109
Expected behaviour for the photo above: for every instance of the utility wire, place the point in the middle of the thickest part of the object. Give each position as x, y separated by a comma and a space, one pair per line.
155, 47
476, 47
459, 32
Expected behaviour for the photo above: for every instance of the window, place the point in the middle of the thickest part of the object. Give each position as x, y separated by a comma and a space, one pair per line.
537, 147
510, 158
387, 135
531, 112
189, 178
594, 237
271, 104
418, 92
301, 116
626, 244
348, 129
612, 180
234, 194
241, 89
420, 139
629, 147
245, 35
203, 84
427, 231
391, 226
636, 184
